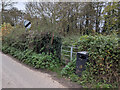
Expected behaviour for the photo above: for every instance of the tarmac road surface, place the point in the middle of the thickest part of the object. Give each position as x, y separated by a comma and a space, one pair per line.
16, 75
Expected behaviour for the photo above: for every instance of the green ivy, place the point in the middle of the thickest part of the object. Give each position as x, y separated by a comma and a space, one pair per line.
69, 68
104, 56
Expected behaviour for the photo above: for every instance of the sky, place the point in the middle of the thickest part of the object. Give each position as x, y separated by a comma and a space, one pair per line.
20, 5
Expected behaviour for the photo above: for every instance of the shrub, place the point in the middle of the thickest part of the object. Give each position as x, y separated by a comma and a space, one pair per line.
38, 42
33, 59
6, 29
69, 69
103, 56
46, 42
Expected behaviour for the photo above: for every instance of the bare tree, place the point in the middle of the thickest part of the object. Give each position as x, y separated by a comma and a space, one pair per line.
5, 5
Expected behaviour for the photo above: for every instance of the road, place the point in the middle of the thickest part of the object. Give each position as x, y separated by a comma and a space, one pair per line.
16, 75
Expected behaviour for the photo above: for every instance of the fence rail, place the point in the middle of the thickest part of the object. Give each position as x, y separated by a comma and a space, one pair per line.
71, 51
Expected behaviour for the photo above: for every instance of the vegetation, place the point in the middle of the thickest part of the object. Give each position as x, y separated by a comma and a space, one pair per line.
38, 42
90, 26
103, 65
71, 17
33, 59
5, 29
66, 18
103, 56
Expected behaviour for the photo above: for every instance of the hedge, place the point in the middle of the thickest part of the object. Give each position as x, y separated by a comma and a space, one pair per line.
38, 42
104, 56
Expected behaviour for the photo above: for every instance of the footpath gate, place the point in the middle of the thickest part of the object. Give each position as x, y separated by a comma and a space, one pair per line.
68, 52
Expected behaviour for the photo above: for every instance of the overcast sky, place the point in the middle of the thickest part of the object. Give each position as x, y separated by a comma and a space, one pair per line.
20, 5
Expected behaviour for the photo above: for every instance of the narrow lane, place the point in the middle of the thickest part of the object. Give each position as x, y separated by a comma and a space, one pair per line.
16, 75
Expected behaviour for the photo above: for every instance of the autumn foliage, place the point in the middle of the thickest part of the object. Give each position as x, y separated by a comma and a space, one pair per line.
5, 28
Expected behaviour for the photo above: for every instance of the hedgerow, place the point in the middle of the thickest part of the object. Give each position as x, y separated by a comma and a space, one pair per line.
102, 70
39, 42
104, 56
43, 50
33, 59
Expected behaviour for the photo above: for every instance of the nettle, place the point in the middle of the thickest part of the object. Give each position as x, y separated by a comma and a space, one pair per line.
104, 56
